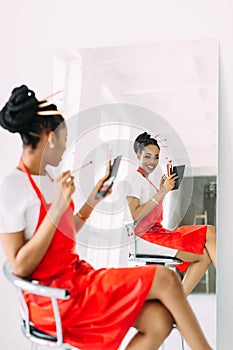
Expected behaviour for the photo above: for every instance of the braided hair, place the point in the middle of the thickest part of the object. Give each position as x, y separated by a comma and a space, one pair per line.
142, 141
24, 114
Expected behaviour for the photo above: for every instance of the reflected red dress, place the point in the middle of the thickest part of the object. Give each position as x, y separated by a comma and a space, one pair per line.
104, 303
185, 238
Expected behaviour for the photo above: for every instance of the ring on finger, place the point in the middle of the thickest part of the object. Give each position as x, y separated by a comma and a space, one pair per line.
69, 179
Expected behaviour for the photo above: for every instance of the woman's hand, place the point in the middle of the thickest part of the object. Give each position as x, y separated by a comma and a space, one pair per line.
86, 210
92, 200
63, 189
168, 182
163, 178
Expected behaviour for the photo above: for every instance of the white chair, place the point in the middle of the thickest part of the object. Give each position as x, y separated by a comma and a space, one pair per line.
33, 334
136, 259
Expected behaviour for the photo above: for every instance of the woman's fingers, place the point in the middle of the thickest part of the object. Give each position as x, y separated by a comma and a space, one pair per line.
66, 180
170, 181
108, 166
63, 175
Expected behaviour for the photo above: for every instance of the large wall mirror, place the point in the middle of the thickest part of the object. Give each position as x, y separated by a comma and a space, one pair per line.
111, 94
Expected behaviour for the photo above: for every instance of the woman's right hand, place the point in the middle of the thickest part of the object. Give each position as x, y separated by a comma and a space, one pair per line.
169, 182
63, 189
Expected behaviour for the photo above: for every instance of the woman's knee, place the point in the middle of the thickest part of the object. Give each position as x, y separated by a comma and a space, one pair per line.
165, 281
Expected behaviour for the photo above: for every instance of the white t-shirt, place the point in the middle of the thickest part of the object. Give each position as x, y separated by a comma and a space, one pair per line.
19, 203
138, 186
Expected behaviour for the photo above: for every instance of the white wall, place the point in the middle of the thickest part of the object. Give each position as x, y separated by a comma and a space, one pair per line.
30, 31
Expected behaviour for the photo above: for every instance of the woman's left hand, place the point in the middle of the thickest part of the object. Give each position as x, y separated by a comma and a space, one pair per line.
92, 200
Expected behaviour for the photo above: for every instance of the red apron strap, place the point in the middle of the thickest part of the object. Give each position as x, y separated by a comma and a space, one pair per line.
142, 172
23, 167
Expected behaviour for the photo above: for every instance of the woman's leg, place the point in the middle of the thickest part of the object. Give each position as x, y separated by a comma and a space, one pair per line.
210, 243
167, 288
153, 324
199, 265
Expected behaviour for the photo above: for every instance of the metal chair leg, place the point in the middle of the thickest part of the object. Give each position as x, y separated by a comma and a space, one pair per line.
207, 282
34, 346
162, 347
182, 342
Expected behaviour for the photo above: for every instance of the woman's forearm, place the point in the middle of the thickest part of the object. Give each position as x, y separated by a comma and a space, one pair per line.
82, 215
143, 210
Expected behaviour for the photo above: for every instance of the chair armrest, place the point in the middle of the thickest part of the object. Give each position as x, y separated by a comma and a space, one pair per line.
160, 258
33, 287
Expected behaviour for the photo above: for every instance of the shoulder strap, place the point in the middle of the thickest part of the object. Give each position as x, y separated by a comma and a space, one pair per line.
23, 167
142, 172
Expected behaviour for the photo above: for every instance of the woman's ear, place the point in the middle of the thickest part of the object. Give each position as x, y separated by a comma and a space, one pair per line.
139, 156
51, 139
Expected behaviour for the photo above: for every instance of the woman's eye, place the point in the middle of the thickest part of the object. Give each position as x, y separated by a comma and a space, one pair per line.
149, 157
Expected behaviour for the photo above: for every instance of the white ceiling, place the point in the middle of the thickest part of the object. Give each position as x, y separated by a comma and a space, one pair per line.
179, 81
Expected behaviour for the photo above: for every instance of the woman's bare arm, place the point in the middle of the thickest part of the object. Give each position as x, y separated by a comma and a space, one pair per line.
24, 256
138, 211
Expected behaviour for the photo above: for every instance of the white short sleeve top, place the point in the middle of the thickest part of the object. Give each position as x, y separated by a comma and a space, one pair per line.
138, 186
19, 204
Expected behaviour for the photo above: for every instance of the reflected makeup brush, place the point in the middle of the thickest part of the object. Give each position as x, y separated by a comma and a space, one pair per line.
53, 94
169, 167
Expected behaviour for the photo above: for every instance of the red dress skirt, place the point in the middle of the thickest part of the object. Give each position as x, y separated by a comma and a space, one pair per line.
103, 303
185, 238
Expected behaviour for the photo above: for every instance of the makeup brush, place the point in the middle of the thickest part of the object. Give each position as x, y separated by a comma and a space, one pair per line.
81, 167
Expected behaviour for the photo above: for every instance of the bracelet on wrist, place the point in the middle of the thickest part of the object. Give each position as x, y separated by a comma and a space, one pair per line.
154, 200
81, 217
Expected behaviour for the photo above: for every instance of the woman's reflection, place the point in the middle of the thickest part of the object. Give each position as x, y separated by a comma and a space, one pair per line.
195, 245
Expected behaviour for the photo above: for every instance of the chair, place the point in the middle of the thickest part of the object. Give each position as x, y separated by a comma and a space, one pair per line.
135, 259
200, 216
36, 336
205, 220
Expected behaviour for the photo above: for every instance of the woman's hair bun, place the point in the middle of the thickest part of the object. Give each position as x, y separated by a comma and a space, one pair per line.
143, 140
140, 140
18, 113
143, 137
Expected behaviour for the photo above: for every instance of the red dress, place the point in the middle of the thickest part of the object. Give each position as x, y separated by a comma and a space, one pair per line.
185, 238
104, 303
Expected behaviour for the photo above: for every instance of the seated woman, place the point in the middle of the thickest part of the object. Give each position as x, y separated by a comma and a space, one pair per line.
195, 244
37, 232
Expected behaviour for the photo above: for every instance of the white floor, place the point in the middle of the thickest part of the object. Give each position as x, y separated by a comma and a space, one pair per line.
204, 306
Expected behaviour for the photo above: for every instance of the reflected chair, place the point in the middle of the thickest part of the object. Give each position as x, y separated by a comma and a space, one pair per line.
33, 334
136, 259
140, 259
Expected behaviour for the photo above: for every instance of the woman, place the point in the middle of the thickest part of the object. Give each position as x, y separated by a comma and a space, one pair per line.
195, 244
37, 227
